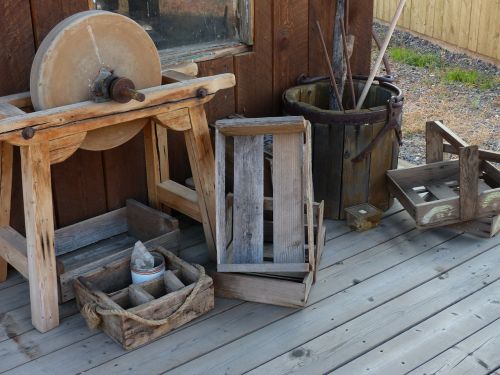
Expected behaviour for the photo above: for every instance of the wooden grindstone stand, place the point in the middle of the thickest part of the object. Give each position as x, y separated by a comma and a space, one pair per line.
464, 193
65, 120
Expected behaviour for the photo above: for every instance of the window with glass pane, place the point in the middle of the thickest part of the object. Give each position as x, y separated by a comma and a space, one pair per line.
174, 23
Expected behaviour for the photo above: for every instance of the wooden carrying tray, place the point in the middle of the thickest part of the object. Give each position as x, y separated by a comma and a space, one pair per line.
93, 243
109, 287
449, 192
292, 289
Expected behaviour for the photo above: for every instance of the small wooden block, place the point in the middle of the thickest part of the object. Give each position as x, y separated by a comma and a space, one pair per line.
363, 217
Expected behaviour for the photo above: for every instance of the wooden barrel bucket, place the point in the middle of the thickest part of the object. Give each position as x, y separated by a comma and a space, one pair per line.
339, 137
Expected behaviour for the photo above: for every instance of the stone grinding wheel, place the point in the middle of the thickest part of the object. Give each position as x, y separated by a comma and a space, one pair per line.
69, 60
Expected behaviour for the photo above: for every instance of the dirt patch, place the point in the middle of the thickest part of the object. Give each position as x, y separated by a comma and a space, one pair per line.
470, 111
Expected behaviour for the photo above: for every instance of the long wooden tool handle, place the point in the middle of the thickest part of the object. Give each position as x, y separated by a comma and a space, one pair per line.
381, 53
330, 69
347, 61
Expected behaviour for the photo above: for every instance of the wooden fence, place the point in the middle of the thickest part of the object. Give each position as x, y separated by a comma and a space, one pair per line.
472, 25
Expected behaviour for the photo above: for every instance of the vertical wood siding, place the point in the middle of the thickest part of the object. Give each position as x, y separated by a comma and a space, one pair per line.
285, 45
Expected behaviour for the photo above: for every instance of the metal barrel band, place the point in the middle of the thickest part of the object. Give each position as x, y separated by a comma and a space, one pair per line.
394, 109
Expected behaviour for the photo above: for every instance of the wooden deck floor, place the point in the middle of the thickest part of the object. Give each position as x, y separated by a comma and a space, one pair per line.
392, 300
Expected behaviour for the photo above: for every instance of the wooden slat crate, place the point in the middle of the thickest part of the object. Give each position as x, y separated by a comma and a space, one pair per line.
183, 294
284, 289
441, 193
292, 188
101, 240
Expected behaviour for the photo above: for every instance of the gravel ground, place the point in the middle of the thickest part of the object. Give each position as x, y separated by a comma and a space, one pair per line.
471, 112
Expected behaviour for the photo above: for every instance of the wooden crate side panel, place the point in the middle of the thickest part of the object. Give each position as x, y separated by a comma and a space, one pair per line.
248, 229
288, 196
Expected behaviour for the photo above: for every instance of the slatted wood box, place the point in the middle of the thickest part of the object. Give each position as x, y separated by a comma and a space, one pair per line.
111, 287
93, 243
292, 189
464, 191
291, 289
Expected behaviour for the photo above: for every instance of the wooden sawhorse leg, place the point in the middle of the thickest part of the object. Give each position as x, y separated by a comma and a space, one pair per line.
38, 211
199, 204
6, 154
201, 158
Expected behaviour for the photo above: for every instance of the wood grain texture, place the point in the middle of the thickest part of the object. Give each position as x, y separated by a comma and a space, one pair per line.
254, 89
288, 195
86, 232
248, 209
125, 173
328, 145
360, 22
152, 163
223, 104
469, 176
201, 158
222, 234
40, 236
433, 144
355, 176
6, 166
18, 48
380, 162
290, 41
324, 12
47, 13
79, 181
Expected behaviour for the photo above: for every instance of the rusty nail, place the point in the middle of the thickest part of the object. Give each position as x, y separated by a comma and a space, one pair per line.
28, 132
202, 92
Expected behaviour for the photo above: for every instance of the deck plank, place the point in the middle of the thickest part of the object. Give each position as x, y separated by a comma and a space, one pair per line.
335, 348
144, 356
289, 333
477, 354
361, 276
436, 334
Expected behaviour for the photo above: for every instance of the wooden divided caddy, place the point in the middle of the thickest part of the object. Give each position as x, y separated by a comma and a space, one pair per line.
269, 239
51, 136
135, 314
463, 192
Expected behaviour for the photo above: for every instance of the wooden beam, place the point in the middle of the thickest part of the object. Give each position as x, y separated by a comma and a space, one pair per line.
201, 159
6, 166
261, 126
180, 198
13, 249
37, 194
469, 177
155, 96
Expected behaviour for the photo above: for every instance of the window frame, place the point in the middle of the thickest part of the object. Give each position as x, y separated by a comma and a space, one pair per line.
213, 50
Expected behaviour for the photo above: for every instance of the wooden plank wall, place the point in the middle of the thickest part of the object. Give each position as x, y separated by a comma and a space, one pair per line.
286, 45
469, 25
